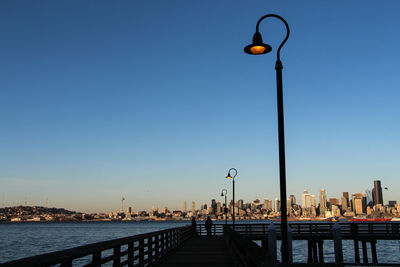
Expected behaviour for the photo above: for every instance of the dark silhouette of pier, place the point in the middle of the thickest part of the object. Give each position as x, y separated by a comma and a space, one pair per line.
228, 245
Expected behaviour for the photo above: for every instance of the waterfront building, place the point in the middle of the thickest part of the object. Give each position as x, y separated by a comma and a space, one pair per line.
377, 195
193, 207
184, 207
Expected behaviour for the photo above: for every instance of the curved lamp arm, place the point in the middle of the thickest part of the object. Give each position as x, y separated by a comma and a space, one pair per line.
229, 173
222, 192
287, 30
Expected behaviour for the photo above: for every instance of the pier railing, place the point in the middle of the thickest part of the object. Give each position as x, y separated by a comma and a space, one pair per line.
138, 250
323, 230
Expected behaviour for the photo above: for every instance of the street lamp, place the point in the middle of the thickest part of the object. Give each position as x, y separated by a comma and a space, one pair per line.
222, 194
229, 176
258, 48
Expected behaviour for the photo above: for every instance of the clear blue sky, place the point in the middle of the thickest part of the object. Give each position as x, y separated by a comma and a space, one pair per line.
155, 101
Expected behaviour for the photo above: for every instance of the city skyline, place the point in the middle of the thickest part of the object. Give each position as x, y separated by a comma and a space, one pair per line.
306, 199
156, 102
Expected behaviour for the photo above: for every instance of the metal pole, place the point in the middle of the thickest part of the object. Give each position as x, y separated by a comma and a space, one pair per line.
282, 165
225, 209
233, 210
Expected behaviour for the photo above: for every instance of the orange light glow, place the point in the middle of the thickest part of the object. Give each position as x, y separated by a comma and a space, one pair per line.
258, 49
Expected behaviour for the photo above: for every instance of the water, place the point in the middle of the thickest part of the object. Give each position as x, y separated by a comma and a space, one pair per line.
19, 240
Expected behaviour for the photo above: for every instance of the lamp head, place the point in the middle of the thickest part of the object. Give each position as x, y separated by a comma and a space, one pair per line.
257, 47
228, 176
222, 194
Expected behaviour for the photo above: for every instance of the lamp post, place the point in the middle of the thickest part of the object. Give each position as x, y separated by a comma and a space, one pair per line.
222, 194
258, 48
229, 176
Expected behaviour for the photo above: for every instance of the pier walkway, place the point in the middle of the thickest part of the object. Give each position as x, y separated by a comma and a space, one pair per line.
229, 245
198, 251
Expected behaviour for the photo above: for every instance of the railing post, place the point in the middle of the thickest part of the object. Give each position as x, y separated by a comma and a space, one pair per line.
337, 240
373, 250
96, 258
354, 234
364, 250
321, 250
117, 257
162, 243
272, 236
130, 254
150, 249
290, 247
141, 252
310, 255
157, 248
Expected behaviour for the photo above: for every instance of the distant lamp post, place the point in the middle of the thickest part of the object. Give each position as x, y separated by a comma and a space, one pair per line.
229, 176
225, 209
258, 48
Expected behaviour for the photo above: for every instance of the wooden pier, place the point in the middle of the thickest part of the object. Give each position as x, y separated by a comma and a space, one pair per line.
229, 245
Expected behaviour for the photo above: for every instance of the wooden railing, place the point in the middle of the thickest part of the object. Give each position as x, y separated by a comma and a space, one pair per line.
138, 250
301, 230
244, 252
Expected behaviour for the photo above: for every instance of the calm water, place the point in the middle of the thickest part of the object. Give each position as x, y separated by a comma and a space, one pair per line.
19, 240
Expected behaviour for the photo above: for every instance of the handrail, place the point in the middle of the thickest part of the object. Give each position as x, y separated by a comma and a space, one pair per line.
245, 252
387, 230
141, 250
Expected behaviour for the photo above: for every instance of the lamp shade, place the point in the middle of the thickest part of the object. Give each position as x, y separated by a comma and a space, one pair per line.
257, 47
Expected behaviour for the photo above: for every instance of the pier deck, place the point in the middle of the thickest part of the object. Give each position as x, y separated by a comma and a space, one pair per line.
198, 251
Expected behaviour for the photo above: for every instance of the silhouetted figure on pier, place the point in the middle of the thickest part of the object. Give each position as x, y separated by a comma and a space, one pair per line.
194, 226
208, 226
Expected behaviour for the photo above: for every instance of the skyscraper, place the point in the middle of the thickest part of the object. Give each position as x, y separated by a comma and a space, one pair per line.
322, 200
184, 207
306, 200
292, 199
193, 208
214, 206
345, 201
377, 193
277, 205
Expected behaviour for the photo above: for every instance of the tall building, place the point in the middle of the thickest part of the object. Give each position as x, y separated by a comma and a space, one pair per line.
359, 203
333, 201
240, 204
377, 193
292, 199
184, 207
345, 201
193, 207
322, 200
306, 200
277, 205
213, 206
218, 207
267, 204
